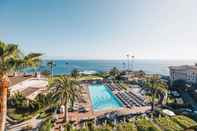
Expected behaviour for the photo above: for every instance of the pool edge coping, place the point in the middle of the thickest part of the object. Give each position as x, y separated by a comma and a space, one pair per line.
92, 108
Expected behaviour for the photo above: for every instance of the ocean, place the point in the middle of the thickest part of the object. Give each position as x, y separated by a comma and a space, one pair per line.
149, 66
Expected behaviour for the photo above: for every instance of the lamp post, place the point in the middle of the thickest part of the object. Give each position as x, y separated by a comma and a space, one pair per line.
133, 57
123, 66
128, 60
130, 56
66, 63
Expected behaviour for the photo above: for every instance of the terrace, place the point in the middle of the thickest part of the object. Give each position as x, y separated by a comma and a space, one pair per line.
83, 108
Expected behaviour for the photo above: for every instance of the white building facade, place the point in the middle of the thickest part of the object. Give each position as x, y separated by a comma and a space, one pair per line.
186, 72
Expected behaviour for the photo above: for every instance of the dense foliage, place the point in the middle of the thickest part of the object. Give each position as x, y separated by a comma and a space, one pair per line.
66, 92
157, 88
21, 104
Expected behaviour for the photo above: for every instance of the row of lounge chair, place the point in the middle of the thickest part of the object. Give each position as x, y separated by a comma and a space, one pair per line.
130, 100
114, 87
137, 98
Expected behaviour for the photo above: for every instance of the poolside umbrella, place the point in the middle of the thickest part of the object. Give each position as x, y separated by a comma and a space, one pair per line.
168, 112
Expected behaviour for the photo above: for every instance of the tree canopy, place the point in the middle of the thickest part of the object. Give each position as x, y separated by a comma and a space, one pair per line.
12, 58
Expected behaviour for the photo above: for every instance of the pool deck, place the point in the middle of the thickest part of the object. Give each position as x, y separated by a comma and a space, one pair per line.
91, 114
77, 116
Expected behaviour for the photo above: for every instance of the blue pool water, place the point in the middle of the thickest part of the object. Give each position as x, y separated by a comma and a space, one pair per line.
102, 98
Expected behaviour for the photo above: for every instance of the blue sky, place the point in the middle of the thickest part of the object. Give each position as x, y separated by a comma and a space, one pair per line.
102, 29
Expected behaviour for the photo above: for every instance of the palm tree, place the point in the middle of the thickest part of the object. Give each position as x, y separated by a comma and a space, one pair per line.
11, 58
22, 104
32, 60
44, 100
157, 87
123, 66
66, 90
75, 73
51, 64
114, 72
66, 64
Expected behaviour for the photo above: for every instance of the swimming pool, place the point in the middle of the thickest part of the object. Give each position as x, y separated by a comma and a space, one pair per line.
102, 98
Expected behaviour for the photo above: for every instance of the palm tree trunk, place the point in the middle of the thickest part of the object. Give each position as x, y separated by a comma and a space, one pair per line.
66, 113
153, 101
4, 83
153, 104
165, 98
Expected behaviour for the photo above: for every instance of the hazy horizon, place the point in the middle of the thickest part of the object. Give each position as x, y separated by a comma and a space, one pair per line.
100, 29
124, 59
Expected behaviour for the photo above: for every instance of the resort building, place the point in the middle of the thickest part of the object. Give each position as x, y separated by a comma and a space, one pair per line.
187, 73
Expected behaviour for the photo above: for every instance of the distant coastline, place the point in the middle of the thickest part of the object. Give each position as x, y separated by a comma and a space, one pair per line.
149, 66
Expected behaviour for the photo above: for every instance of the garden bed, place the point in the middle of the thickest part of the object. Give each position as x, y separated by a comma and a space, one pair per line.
146, 125
184, 121
168, 124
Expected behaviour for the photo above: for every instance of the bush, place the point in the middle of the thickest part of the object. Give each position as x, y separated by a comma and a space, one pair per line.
22, 104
